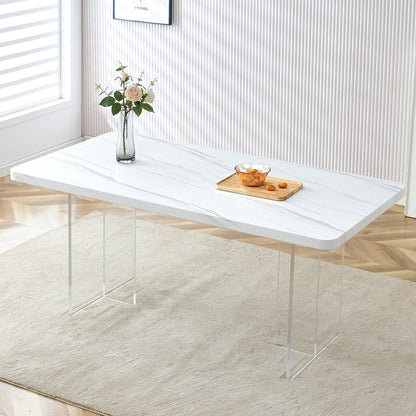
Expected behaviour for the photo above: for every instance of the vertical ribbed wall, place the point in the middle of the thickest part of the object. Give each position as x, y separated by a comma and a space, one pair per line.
324, 83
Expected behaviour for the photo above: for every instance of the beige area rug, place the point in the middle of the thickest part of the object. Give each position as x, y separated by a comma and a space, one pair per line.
201, 340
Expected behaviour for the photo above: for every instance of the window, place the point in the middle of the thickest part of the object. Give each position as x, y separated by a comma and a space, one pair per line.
40, 78
30, 54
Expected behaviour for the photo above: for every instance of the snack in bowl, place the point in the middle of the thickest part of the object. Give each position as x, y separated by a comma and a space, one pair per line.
252, 174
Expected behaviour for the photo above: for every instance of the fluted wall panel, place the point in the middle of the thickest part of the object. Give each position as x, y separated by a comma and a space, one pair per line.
324, 83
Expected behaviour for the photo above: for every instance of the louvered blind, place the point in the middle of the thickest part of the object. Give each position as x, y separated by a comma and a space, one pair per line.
29, 54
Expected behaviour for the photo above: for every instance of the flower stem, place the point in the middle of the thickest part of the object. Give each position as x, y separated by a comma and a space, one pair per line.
124, 132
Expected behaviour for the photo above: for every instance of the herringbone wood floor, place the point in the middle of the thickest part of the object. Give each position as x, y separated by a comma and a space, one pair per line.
386, 246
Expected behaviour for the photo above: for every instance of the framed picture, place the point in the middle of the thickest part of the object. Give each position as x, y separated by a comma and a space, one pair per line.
147, 11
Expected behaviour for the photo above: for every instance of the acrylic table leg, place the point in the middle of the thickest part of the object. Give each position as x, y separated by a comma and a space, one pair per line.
290, 312
133, 263
82, 279
325, 330
128, 243
69, 254
78, 258
315, 341
278, 292
341, 291
104, 253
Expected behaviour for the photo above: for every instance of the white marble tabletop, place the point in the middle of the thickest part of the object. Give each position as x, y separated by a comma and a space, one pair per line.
179, 180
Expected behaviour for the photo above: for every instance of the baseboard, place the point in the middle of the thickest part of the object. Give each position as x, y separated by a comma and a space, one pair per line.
410, 214
410, 211
407, 212
5, 169
401, 202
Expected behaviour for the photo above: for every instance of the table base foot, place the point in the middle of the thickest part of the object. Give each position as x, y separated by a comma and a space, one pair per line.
293, 374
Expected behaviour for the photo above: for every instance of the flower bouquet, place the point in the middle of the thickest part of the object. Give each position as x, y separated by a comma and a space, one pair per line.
131, 97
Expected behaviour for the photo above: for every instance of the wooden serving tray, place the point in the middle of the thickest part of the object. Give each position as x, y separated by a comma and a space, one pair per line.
232, 184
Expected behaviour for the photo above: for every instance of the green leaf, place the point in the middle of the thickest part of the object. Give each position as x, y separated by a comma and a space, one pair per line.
137, 110
147, 107
118, 95
107, 101
116, 108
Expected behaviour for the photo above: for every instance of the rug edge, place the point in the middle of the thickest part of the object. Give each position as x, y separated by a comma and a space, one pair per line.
56, 398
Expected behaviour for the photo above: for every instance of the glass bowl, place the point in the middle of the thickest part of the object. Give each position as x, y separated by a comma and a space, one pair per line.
252, 174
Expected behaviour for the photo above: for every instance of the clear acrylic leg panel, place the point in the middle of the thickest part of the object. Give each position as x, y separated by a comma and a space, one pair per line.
101, 253
309, 303
119, 281
85, 251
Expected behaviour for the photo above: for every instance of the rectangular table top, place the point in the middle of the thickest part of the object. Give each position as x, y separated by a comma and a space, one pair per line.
179, 180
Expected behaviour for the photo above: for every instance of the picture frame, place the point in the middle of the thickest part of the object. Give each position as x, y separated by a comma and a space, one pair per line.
145, 11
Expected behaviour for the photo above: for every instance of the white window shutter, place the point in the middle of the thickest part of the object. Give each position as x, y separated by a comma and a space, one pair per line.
29, 54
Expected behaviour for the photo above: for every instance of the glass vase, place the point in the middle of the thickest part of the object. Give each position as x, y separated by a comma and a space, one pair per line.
125, 151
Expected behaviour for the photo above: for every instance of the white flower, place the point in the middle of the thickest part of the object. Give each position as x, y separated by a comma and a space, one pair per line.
150, 96
134, 93
124, 76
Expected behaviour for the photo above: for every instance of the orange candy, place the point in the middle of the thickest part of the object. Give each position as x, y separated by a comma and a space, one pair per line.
270, 187
282, 185
253, 171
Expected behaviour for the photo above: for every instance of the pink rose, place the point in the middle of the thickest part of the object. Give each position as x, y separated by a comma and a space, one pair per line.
134, 93
150, 97
124, 76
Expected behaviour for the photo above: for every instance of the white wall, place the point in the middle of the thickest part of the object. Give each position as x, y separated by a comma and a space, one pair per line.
325, 83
